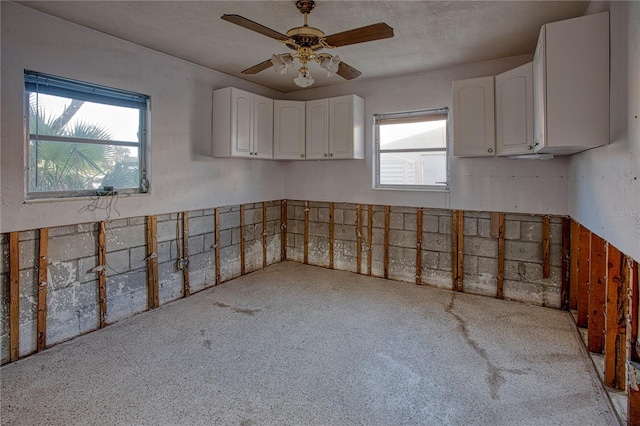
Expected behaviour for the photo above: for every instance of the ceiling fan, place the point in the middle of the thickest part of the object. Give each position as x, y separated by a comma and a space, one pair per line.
306, 41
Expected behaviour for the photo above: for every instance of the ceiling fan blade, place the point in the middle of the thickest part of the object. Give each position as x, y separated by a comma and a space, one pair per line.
360, 35
260, 67
254, 26
347, 71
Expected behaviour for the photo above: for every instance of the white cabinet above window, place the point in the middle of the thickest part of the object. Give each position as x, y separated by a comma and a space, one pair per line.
473, 117
288, 130
514, 111
242, 124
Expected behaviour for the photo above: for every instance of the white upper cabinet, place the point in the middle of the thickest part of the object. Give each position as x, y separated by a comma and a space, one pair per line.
514, 111
289, 130
571, 85
242, 124
473, 117
335, 128
317, 129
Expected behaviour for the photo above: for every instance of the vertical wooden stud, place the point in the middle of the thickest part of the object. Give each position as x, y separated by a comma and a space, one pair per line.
573, 267
597, 280
615, 341
264, 234
500, 290
43, 260
153, 299
217, 247
283, 230
459, 284
186, 286
633, 354
545, 247
387, 217
331, 235
495, 225
369, 238
14, 295
566, 259
419, 246
242, 259
583, 276
306, 232
454, 250
102, 274
358, 238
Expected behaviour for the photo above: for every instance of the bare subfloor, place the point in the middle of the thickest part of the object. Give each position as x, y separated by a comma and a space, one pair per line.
296, 344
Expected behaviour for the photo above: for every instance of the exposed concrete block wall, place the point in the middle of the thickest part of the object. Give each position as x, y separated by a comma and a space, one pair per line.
72, 287
523, 248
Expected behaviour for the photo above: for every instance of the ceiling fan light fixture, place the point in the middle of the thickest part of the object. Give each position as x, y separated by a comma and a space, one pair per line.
281, 62
303, 79
330, 63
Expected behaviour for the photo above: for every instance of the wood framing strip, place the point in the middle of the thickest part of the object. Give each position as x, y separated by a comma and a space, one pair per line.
454, 250
500, 287
597, 289
283, 230
14, 295
566, 259
102, 274
459, 283
358, 238
546, 247
186, 287
306, 232
264, 234
495, 225
573, 267
43, 260
369, 238
242, 259
633, 355
387, 216
583, 276
615, 342
153, 299
419, 246
217, 246
331, 234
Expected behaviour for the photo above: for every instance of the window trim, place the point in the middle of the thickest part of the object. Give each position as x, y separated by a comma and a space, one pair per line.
36, 82
408, 117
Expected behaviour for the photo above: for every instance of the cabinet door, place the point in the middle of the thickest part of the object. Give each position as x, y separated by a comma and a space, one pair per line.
288, 130
514, 111
539, 93
241, 123
473, 117
262, 127
341, 127
317, 129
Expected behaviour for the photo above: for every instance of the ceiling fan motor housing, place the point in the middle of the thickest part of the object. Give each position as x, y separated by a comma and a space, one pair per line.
305, 6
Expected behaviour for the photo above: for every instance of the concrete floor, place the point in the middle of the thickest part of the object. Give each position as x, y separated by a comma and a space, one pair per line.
296, 344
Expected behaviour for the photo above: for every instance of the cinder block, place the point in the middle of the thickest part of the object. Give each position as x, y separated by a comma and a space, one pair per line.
511, 230
126, 284
299, 240
523, 250
429, 223
140, 220
137, 257
209, 242
470, 225
313, 214
482, 284
484, 228
166, 231
444, 261
85, 265
338, 216
400, 238
378, 219
323, 214
487, 266
530, 293
126, 305
62, 230
235, 236
73, 246
350, 217
249, 234
400, 272
125, 237
436, 242
437, 278
295, 227
429, 260
444, 225
531, 231
117, 223
29, 251
402, 256
319, 251
484, 247
62, 274
196, 245
344, 248
225, 238
319, 229
377, 236
257, 231
164, 251
273, 213
298, 213
344, 232
229, 220
396, 220
28, 235
471, 265
201, 225
555, 233
87, 227
411, 222
117, 262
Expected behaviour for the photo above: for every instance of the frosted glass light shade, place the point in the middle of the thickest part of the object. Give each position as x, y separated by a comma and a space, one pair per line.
330, 64
281, 62
303, 79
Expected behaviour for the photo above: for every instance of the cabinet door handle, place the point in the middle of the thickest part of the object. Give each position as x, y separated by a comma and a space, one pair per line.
529, 147
490, 150
324, 155
301, 155
330, 154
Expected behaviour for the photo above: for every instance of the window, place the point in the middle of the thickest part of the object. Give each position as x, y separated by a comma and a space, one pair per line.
411, 150
83, 139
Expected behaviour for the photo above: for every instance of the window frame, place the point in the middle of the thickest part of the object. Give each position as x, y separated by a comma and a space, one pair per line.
89, 92
410, 116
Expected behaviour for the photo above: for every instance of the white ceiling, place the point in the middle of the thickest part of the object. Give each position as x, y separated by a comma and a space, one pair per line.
428, 34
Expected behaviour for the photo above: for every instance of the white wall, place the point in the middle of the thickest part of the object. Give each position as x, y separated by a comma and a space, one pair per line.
492, 184
604, 186
184, 176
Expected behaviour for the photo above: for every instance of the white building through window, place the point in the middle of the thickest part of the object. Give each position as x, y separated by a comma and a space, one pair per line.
411, 150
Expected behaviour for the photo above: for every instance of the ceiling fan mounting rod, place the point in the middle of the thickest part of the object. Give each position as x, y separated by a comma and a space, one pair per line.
305, 7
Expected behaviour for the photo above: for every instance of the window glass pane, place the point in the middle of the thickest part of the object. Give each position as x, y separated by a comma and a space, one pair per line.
71, 166
428, 134
434, 168
59, 116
